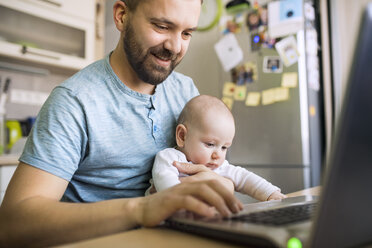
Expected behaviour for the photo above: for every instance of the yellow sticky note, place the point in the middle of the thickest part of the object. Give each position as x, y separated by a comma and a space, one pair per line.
253, 99
240, 92
289, 79
268, 96
228, 89
228, 101
281, 94
312, 111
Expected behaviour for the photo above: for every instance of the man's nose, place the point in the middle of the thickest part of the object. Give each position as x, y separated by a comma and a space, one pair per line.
174, 43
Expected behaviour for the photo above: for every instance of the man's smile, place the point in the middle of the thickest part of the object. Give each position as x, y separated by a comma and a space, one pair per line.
163, 61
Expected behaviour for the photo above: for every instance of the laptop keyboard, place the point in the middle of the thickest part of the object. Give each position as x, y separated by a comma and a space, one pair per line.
280, 216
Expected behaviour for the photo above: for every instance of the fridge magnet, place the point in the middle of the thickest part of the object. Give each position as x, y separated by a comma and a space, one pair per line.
257, 21
281, 94
244, 74
287, 49
255, 41
250, 72
235, 73
312, 62
228, 51
262, 11
256, 18
312, 111
309, 11
240, 92
253, 99
253, 20
239, 75
237, 6
228, 101
289, 79
313, 79
228, 89
255, 4
268, 97
265, 40
311, 42
272, 64
285, 18
231, 24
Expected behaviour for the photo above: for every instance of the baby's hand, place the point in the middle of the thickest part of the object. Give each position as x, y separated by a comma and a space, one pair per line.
276, 196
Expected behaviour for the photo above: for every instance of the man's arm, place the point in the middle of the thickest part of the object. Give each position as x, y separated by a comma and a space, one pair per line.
31, 212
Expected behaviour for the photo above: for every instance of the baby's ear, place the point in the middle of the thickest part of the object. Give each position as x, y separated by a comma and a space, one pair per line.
181, 131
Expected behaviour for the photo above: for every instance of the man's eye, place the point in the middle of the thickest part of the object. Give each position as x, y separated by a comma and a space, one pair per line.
161, 27
187, 34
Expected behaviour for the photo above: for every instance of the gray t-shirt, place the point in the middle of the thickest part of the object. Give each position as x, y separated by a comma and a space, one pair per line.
101, 136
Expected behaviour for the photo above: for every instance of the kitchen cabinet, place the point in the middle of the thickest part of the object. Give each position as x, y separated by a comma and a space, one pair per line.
60, 33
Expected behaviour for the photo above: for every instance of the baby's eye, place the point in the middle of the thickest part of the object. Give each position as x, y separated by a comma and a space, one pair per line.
209, 144
224, 148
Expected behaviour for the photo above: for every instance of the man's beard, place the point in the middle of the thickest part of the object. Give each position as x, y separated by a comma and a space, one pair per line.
142, 63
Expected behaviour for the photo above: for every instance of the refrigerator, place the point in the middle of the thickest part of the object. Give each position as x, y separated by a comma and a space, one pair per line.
279, 136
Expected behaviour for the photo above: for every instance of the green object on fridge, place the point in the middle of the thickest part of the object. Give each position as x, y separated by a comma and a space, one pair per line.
14, 132
210, 14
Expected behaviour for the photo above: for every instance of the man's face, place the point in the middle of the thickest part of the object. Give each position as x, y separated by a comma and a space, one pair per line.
157, 36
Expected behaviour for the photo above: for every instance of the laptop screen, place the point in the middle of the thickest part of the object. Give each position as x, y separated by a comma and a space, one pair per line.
345, 213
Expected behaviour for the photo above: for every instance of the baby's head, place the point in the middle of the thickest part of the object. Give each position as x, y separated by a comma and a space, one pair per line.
205, 130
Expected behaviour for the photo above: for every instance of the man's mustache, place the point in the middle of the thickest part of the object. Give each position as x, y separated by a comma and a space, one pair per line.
164, 54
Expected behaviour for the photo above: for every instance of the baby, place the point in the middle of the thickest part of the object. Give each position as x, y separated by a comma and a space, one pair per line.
204, 132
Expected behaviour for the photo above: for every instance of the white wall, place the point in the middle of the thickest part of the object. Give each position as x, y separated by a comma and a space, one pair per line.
111, 33
345, 20
201, 63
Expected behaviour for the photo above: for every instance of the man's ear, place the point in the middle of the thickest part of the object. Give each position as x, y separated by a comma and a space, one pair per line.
120, 12
181, 132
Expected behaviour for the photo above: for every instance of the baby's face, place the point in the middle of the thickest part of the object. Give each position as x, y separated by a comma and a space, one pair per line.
207, 142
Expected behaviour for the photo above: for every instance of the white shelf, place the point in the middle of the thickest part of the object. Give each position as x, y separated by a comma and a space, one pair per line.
42, 56
52, 32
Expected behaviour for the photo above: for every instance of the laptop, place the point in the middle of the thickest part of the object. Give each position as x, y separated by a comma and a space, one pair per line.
342, 216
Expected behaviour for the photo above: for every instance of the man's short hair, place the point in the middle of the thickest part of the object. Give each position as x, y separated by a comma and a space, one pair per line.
132, 4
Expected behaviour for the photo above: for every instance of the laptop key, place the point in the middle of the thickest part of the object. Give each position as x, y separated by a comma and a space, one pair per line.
280, 216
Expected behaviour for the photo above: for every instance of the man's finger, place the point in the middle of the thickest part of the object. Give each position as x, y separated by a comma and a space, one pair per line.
215, 194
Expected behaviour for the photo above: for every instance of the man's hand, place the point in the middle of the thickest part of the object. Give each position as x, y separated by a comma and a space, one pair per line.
200, 172
201, 197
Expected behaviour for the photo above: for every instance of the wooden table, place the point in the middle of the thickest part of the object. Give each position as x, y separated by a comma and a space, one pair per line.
162, 237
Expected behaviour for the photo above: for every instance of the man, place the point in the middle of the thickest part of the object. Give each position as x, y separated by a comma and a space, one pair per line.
87, 162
